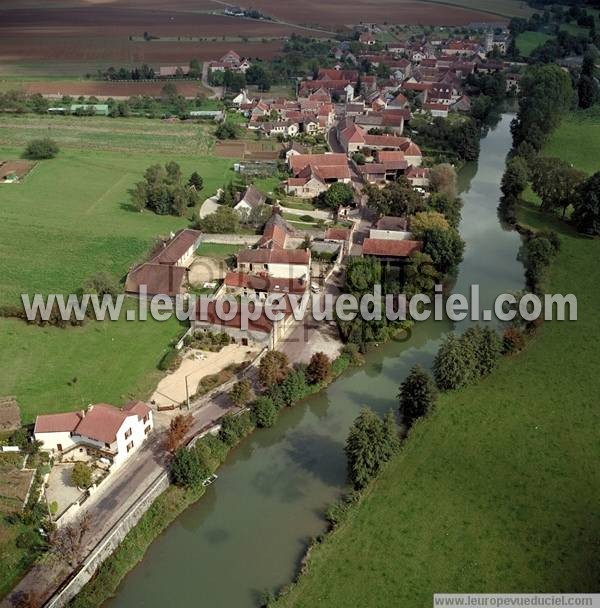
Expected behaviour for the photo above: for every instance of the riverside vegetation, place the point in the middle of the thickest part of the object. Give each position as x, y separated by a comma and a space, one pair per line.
483, 492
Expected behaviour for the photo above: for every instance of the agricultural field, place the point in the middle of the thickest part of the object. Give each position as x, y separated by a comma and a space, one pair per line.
96, 133
69, 218
77, 37
498, 489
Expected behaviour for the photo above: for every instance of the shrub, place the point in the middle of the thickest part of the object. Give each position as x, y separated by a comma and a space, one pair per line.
81, 475
306, 218
39, 149
169, 361
319, 368
264, 412
290, 390
512, 341
241, 393
234, 428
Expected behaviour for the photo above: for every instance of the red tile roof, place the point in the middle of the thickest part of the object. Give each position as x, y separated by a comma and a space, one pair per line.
157, 278
177, 246
264, 283
274, 256
337, 234
100, 422
57, 423
390, 247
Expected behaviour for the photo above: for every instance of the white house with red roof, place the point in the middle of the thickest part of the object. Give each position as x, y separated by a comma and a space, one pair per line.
102, 429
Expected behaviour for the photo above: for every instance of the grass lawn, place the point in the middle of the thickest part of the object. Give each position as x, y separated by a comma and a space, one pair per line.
498, 490
219, 251
51, 369
528, 41
70, 218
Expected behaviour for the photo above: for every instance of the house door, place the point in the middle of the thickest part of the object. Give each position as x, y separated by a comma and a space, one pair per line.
59, 447
244, 341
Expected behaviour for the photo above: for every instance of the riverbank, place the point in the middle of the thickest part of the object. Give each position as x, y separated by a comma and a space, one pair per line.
497, 490
166, 508
284, 478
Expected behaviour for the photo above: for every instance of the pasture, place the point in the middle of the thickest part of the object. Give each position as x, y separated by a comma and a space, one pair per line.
498, 489
69, 218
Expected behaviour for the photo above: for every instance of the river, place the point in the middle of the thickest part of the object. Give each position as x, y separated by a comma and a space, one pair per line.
249, 531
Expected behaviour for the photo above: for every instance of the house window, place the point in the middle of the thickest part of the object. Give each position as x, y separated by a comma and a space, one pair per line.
127, 433
146, 430
146, 418
107, 445
130, 446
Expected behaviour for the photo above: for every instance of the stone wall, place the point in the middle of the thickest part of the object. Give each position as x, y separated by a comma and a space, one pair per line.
108, 544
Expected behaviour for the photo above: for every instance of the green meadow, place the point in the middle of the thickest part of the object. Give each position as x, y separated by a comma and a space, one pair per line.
69, 218
498, 490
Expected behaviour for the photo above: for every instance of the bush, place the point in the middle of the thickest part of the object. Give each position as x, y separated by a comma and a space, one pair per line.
512, 341
290, 390
234, 428
81, 475
39, 149
319, 368
169, 361
241, 393
306, 218
264, 412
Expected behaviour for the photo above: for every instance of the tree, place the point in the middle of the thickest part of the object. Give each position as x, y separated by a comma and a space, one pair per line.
39, 149
227, 130
189, 468
68, 541
454, 365
163, 191
289, 390
587, 206
445, 247
420, 275
486, 346
417, 395
464, 140
264, 412
319, 368
102, 283
196, 181
273, 368
587, 88
449, 207
233, 428
442, 178
398, 198
241, 392
425, 221
515, 178
178, 429
367, 448
81, 475
545, 96
223, 221
554, 181
338, 195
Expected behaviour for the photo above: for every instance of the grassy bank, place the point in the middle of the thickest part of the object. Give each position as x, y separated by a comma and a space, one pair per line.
169, 505
163, 511
497, 491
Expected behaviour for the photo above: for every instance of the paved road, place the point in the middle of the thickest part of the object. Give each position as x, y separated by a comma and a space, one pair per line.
119, 494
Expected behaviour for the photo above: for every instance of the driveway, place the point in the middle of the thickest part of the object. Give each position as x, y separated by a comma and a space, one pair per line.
210, 205
171, 390
60, 488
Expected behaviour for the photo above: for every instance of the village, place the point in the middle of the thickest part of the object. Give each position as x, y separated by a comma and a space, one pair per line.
348, 133
345, 132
